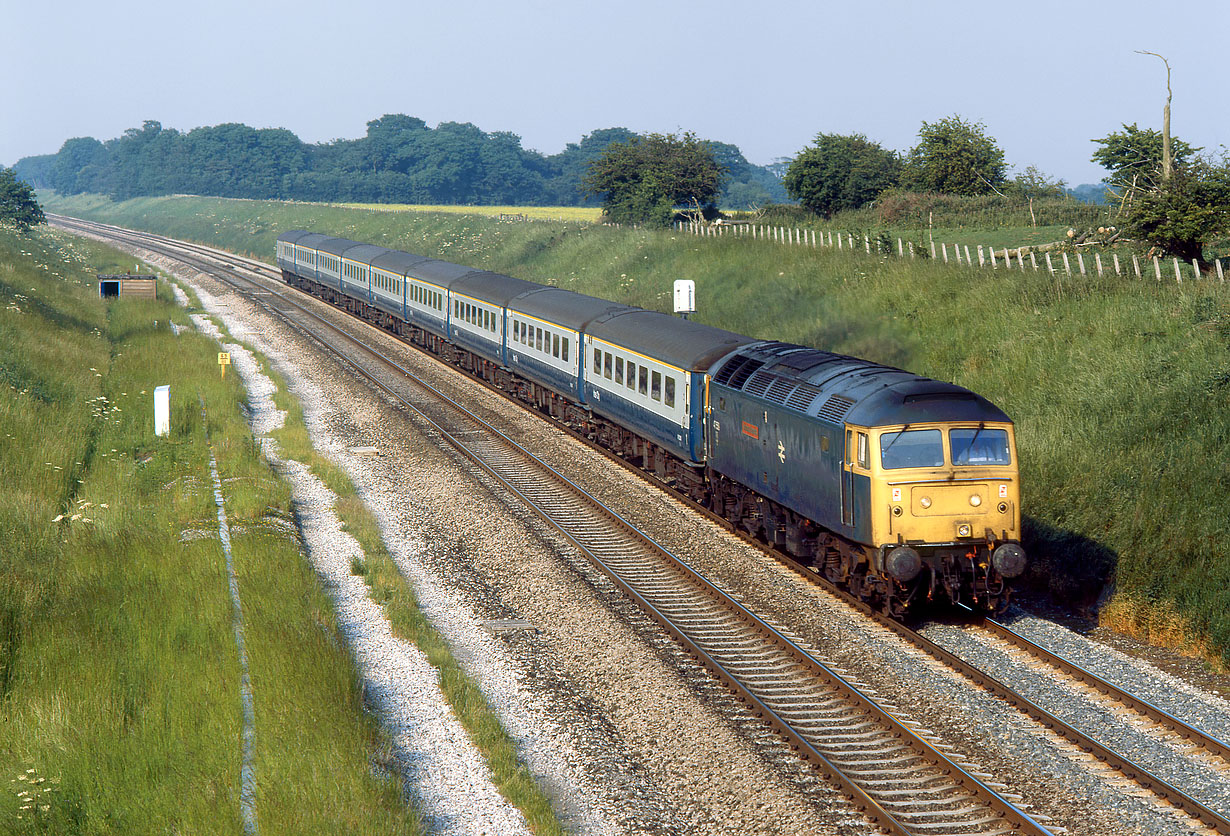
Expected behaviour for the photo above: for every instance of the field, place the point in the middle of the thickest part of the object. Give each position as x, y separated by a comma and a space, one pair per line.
548, 213
1120, 389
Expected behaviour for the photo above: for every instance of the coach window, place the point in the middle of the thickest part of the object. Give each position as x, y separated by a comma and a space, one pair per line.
564, 353
631, 375
516, 332
644, 380
655, 390
597, 362
607, 364
670, 391
619, 370
555, 346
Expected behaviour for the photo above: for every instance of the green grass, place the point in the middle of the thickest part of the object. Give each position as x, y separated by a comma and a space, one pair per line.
1120, 388
394, 593
119, 679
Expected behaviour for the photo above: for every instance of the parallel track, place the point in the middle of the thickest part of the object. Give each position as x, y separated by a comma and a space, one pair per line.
901, 781
771, 669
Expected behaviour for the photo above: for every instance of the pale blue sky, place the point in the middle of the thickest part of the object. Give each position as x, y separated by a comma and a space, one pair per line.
1043, 76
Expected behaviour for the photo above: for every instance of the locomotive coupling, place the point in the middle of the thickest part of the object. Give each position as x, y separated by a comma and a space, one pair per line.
903, 563
1009, 560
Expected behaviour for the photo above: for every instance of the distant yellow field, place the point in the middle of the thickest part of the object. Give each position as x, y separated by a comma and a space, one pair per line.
555, 213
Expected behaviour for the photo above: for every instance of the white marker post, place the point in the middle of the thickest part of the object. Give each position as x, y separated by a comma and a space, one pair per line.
685, 297
162, 410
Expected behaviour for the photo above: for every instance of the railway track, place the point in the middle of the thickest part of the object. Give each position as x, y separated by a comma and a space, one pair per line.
901, 780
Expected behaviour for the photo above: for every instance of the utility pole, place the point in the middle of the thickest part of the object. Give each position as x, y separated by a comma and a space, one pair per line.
1166, 165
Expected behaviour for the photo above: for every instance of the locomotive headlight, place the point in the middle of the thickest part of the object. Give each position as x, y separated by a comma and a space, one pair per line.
896, 510
925, 502
975, 500
1003, 507
1009, 560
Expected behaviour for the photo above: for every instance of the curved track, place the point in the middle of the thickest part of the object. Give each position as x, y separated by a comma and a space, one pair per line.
900, 780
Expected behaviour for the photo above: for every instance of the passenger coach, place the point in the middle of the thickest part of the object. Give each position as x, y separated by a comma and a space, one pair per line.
902, 488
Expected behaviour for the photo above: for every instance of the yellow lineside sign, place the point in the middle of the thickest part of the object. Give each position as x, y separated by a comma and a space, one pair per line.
224, 360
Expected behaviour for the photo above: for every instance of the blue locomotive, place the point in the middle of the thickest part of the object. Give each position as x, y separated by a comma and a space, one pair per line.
903, 489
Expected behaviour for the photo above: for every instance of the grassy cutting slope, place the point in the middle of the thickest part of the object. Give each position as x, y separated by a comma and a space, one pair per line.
119, 679
1120, 389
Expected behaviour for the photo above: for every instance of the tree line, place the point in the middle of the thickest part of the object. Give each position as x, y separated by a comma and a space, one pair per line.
399, 160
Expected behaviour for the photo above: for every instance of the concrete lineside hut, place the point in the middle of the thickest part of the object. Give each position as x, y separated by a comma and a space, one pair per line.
127, 285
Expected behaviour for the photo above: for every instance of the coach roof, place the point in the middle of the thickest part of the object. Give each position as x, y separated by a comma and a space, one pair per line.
680, 342
495, 288
564, 307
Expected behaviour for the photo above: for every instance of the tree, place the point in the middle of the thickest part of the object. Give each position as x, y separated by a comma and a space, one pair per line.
841, 172
1178, 215
18, 206
644, 179
954, 156
1134, 157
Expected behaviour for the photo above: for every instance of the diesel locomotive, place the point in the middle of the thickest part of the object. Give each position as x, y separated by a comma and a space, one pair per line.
902, 489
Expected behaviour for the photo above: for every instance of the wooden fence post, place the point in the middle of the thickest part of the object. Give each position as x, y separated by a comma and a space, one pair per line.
1136, 265
1050, 266
831, 238
1116, 257
1157, 268
956, 252
982, 257
1178, 277
994, 264
838, 240
1067, 266
1080, 259
911, 243
1007, 259
1097, 258
967, 258
900, 249
1195, 269
867, 243
1220, 276
1033, 259
933, 250
944, 247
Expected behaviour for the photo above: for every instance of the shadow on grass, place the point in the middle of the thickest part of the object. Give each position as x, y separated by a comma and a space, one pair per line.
1071, 569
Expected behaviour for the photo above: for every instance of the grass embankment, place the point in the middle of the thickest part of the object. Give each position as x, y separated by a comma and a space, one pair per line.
119, 678
1120, 388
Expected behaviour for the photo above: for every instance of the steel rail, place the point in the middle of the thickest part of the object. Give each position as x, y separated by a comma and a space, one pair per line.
807, 748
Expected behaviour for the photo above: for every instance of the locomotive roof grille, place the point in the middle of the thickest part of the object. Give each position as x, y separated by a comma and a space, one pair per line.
802, 397
779, 389
835, 409
759, 382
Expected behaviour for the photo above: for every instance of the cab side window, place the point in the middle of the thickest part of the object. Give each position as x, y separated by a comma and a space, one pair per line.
864, 457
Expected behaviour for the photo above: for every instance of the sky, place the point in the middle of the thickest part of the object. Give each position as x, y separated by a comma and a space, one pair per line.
1043, 77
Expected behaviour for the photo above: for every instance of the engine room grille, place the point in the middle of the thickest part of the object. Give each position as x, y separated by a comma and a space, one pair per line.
759, 383
736, 371
835, 409
779, 389
802, 397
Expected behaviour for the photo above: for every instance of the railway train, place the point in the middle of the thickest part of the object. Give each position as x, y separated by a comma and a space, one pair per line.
900, 488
